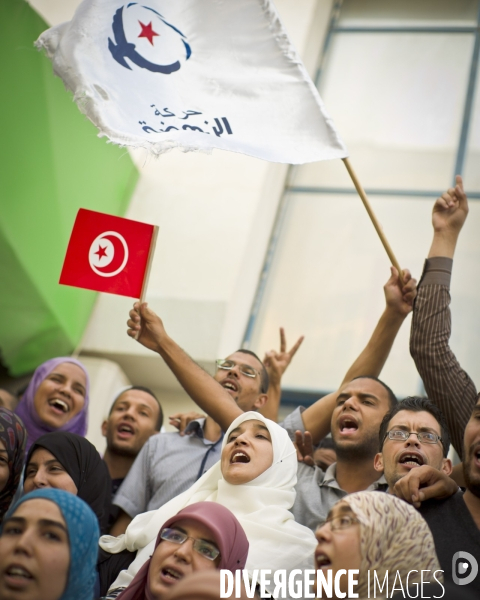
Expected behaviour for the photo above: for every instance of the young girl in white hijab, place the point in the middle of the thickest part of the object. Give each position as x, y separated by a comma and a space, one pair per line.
255, 479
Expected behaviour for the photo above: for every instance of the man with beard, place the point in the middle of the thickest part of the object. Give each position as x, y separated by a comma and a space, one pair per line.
353, 414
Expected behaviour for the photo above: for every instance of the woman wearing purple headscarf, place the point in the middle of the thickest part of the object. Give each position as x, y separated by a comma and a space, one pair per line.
202, 536
56, 399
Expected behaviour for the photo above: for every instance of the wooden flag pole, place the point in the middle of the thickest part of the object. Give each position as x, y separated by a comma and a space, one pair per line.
149, 264
151, 253
373, 218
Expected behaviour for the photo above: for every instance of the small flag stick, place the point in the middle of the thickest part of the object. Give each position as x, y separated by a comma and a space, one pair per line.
151, 253
153, 243
373, 218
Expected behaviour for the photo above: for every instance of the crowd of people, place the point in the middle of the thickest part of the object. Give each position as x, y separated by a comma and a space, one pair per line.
357, 481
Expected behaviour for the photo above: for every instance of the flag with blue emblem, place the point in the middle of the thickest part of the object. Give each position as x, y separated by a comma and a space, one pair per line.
194, 74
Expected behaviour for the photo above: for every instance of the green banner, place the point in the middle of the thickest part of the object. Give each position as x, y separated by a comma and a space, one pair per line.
52, 163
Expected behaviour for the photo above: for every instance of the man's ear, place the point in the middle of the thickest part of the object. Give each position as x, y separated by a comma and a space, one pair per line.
378, 462
104, 428
260, 401
447, 466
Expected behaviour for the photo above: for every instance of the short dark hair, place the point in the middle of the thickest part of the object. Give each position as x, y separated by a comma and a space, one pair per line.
148, 391
392, 399
417, 404
264, 379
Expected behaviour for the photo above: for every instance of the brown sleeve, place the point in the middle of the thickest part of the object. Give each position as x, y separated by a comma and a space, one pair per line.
446, 383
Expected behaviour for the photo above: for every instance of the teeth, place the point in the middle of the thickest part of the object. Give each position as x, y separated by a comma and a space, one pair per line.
322, 560
172, 573
19, 572
60, 404
240, 455
411, 459
125, 428
230, 386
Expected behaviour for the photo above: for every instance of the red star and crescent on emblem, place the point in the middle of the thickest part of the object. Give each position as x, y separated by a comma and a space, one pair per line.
101, 251
147, 32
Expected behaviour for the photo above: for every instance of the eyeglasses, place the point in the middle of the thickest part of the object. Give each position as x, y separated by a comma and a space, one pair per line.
424, 437
228, 365
340, 522
205, 549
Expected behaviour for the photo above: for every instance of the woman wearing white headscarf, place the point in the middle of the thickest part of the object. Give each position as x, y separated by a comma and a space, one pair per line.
255, 479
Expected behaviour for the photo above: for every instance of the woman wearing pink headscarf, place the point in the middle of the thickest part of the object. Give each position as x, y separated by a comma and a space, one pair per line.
202, 536
56, 399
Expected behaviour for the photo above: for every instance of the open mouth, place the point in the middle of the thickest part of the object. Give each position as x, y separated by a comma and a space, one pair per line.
125, 429
230, 385
411, 460
59, 405
348, 425
18, 572
240, 457
323, 562
476, 455
171, 574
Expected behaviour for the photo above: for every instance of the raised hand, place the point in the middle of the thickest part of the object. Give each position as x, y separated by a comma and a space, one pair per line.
450, 210
400, 298
146, 327
304, 446
276, 363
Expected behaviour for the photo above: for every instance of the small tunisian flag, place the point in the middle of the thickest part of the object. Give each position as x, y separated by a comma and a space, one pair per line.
109, 254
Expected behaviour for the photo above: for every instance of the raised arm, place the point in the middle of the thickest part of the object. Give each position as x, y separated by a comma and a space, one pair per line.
399, 302
145, 326
446, 383
276, 364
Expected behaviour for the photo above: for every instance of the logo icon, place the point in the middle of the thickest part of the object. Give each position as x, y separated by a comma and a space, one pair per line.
108, 254
464, 563
144, 37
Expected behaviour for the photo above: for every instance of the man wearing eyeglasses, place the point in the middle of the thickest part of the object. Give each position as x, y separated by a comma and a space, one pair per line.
170, 463
414, 443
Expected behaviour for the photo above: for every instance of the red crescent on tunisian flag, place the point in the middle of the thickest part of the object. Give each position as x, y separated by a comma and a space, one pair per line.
108, 254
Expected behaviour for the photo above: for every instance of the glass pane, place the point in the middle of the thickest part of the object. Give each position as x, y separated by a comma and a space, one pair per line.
326, 282
408, 12
397, 100
472, 162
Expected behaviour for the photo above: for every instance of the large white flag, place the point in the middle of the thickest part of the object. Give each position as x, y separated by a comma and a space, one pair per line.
194, 74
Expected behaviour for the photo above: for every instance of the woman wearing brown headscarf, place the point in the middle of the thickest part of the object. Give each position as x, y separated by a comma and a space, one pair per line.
204, 536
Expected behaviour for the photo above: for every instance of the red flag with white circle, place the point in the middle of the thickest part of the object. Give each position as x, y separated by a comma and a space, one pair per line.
108, 254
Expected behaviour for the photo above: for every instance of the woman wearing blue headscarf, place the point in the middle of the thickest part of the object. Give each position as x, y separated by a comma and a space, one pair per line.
48, 548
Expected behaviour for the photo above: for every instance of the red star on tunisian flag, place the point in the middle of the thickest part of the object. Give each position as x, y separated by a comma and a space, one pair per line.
101, 251
147, 32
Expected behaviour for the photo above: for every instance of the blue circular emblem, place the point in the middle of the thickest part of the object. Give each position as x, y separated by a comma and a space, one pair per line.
147, 40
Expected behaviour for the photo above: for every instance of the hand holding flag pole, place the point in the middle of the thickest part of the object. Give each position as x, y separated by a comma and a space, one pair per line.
373, 218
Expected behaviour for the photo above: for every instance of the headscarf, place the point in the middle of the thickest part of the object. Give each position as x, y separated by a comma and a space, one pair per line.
83, 536
202, 585
82, 462
262, 506
393, 537
14, 436
226, 531
26, 408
